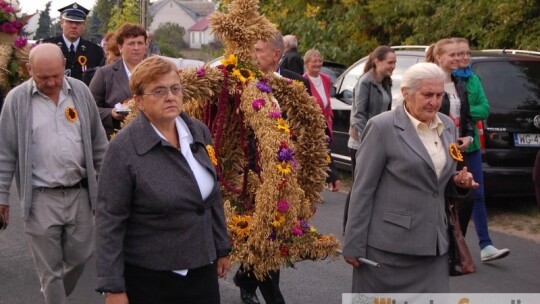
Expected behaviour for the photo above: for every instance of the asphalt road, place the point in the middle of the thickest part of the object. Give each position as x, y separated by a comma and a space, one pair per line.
310, 282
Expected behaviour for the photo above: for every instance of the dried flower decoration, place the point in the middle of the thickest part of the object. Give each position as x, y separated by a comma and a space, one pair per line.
455, 153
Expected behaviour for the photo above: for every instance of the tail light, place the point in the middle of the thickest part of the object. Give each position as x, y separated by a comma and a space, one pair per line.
480, 127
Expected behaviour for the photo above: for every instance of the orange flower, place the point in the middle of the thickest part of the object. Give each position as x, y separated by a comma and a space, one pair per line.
71, 114
455, 153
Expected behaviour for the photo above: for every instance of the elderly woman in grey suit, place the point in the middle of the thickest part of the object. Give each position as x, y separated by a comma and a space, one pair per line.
110, 84
397, 209
161, 232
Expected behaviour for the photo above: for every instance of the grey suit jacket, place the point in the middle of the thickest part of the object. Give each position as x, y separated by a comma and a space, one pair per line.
397, 203
368, 102
150, 211
110, 86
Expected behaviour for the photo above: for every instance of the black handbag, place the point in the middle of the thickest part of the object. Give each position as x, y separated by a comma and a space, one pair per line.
459, 257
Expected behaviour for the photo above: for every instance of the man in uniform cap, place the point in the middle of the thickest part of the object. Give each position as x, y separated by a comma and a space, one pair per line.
82, 56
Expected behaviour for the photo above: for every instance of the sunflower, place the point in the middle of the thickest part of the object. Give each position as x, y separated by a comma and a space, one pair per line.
230, 63
278, 219
243, 75
284, 168
283, 125
71, 114
241, 225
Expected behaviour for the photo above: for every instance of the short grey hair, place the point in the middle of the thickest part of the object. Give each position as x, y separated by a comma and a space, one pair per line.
276, 42
420, 71
291, 41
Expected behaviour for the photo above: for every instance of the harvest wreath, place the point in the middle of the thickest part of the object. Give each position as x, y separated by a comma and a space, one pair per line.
271, 149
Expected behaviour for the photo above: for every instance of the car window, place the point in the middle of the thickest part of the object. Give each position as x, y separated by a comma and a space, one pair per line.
511, 84
350, 79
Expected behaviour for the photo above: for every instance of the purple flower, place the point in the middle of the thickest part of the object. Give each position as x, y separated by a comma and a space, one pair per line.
297, 231
275, 114
283, 206
304, 224
20, 42
9, 9
285, 155
258, 104
201, 72
272, 236
263, 86
8, 28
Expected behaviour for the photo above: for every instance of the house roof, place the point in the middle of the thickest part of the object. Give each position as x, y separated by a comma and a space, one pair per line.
201, 25
28, 17
195, 9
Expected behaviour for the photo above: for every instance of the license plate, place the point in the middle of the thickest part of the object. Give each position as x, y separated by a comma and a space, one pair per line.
526, 140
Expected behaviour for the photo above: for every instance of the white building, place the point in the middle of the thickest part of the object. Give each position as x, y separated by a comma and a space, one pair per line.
184, 13
200, 33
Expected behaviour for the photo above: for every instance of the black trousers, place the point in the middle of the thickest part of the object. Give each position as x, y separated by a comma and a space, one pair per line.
146, 286
269, 286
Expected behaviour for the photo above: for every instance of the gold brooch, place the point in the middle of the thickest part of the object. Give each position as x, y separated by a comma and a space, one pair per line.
211, 154
455, 153
71, 114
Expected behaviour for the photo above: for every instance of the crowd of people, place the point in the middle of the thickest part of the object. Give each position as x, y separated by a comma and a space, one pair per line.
160, 241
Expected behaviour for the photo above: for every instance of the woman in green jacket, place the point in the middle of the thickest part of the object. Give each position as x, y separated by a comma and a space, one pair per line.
479, 108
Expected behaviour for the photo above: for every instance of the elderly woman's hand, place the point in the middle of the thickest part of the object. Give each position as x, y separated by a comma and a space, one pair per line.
353, 261
116, 298
223, 266
464, 179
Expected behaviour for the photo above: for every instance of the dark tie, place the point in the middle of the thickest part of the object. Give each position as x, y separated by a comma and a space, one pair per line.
72, 49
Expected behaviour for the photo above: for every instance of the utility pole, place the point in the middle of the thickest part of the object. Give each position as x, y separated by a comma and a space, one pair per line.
143, 4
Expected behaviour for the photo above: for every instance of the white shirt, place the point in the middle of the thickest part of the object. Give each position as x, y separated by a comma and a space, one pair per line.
69, 43
431, 138
318, 84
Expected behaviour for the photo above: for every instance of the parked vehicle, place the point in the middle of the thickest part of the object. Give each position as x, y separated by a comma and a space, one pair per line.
511, 134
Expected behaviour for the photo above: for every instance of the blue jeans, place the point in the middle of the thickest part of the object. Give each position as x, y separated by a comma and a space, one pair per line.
479, 214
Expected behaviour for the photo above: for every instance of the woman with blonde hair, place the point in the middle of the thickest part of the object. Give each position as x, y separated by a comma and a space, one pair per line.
455, 102
320, 85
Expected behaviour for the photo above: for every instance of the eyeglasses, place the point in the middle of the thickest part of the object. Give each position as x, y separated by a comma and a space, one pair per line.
163, 92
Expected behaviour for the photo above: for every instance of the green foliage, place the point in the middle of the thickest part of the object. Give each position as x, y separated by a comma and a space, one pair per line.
346, 30
92, 29
127, 12
44, 23
170, 39
102, 10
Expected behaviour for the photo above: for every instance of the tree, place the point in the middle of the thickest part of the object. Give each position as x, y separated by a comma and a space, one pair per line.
92, 29
44, 23
127, 12
102, 10
170, 39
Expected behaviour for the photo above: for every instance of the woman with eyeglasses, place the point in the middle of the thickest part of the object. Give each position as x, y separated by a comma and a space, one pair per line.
479, 108
110, 85
455, 102
161, 235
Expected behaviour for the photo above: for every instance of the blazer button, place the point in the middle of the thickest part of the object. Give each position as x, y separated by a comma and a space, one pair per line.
199, 211
435, 195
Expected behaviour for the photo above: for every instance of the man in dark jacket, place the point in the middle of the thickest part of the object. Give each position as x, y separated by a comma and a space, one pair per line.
82, 56
291, 60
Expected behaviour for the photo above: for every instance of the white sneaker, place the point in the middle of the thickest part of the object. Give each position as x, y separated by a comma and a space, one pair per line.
490, 253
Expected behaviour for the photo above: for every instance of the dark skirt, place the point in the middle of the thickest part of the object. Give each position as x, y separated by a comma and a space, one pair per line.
400, 273
146, 286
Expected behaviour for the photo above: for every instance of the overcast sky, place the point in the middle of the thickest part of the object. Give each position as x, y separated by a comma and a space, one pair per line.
30, 6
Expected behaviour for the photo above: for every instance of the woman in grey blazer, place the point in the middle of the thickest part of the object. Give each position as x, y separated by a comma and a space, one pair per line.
110, 84
161, 235
397, 208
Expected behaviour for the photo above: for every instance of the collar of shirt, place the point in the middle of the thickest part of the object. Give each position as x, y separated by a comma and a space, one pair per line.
435, 124
69, 43
184, 135
65, 91
128, 73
